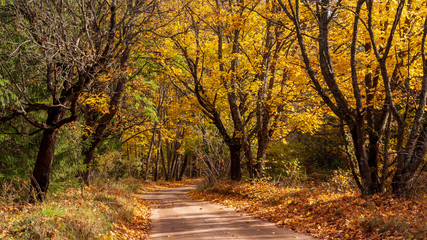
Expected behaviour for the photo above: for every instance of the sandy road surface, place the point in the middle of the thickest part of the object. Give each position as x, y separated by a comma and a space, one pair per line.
175, 216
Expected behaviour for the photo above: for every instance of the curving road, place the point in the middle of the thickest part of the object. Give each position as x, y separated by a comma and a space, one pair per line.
175, 216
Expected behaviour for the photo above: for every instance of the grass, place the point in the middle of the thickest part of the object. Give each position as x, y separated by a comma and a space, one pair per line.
105, 210
64, 217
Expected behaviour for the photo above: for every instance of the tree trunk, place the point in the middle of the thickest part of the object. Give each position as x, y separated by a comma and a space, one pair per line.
150, 151
373, 155
402, 182
249, 158
88, 155
156, 167
176, 166
386, 144
261, 153
162, 157
235, 172
183, 167
98, 136
43, 166
194, 170
370, 185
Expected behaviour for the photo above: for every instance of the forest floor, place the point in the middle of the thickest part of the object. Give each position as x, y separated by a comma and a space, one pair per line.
105, 210
322, 211
115, 210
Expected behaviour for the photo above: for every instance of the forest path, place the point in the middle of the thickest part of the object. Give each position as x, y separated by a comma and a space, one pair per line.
175, 216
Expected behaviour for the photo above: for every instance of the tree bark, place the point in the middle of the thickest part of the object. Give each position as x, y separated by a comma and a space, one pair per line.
165, 169
183, 168
261, 155
402, 182
45, 155
156, 167
235, 171
43, 166
369, 185
150, 151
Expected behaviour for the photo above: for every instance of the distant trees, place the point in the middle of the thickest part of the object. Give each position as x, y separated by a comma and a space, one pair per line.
52, 53
157, 138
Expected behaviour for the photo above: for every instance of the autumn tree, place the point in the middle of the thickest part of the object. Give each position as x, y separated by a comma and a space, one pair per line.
104, 100
235, 69
56, 51
366, 60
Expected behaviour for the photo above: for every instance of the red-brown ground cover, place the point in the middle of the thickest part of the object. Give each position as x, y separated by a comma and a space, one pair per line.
323, 212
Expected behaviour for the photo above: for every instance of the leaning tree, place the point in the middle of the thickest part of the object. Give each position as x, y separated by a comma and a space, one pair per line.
52, 52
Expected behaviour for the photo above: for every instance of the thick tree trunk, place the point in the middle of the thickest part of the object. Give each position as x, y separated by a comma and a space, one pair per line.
373, 155
235, 171
370, 185
249, 158
261, 153
43, 166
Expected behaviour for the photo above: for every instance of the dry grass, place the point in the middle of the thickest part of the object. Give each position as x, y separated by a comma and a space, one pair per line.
106, 210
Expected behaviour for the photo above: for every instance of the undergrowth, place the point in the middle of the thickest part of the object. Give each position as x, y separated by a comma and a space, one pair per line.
105, 210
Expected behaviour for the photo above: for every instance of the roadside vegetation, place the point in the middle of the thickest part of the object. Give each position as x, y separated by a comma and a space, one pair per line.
105, 210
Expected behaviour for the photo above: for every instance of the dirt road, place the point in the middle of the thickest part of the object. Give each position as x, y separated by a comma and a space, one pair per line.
175, 216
